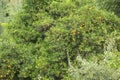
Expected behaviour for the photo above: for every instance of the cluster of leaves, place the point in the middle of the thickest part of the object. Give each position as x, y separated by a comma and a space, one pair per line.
112, 58
45, 32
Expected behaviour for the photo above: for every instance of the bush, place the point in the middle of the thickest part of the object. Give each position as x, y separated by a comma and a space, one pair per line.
77, 33
44, 33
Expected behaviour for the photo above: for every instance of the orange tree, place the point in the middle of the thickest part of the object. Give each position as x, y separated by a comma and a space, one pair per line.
84, 32
47, 33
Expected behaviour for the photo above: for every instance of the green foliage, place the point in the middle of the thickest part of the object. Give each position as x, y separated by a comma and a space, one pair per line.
1, 29
16, 59
112, 59
44, 32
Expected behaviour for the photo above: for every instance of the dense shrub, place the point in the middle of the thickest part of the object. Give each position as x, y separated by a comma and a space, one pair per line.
78, 33
43, 34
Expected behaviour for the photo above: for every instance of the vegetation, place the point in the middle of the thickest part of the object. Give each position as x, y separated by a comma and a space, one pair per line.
61, 40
